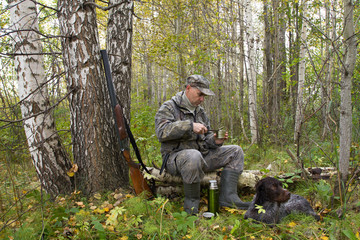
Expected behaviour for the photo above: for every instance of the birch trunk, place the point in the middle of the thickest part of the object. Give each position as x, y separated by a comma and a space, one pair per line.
350, 50
119, 46
48, 156
301, 80
92, 124
251, 73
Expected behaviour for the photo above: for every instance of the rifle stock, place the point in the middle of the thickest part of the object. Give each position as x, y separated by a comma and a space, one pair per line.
137, 178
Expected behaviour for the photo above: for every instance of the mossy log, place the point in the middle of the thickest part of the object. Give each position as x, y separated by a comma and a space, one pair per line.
166, 183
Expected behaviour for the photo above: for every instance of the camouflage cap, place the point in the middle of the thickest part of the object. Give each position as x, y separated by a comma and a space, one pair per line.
200, 83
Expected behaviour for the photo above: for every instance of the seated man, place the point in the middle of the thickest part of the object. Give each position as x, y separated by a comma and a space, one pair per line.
189, 149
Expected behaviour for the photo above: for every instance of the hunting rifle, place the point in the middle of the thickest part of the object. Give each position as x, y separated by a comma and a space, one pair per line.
123, 132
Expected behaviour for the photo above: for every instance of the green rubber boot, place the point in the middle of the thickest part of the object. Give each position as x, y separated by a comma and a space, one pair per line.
192, 198
228, 190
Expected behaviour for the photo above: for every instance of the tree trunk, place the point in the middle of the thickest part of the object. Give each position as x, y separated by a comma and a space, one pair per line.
119, 46
346, 84
251, 73
268, 59
302, 70
241, 67
48, 156
92, 125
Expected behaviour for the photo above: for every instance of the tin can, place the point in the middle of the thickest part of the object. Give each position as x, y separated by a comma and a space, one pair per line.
213, 201
221, 134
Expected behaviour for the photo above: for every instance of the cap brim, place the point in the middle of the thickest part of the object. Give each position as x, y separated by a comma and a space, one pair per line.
206, 91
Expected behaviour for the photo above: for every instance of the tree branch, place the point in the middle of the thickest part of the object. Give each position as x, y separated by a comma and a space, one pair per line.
104, 8
37, 114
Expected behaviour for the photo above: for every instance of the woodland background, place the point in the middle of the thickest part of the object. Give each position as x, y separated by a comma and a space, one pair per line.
286, 78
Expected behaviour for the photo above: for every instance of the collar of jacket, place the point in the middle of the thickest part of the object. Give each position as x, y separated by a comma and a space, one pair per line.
178, 99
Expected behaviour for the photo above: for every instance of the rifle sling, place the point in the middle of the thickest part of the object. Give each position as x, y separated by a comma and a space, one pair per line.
134, 145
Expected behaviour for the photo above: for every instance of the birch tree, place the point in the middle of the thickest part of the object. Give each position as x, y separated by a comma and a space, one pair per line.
251, 73
49, 158
350, 45
119, 46
301, 79
92, 128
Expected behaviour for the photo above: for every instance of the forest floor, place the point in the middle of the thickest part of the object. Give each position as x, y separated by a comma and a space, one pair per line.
28, 213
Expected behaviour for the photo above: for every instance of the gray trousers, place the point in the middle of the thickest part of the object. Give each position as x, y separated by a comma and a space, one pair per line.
191, 165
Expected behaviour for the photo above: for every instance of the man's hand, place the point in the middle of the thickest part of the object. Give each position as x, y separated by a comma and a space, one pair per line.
220, 140
199, 128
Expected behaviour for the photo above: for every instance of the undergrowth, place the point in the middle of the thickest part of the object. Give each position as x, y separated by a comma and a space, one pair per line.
28, 213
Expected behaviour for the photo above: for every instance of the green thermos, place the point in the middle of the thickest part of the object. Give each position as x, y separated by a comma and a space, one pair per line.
213, 201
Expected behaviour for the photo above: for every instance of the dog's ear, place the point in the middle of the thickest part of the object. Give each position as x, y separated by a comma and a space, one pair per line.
260, 192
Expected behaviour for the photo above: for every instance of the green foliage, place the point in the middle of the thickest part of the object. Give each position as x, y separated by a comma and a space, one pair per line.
184, 221
289, 178
143, 129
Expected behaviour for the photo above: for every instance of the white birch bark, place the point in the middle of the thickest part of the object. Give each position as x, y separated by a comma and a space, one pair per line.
301, 80
251, 73
119, 46
350, 44
48, 156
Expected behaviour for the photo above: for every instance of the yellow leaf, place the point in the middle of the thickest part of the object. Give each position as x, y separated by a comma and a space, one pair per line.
324, 238
97, 196
73, 170
110, 228
98, 210
124, 238
118, 196
232, 210
292, 224
215, 227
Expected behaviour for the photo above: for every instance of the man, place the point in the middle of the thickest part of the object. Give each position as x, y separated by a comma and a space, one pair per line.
189, 149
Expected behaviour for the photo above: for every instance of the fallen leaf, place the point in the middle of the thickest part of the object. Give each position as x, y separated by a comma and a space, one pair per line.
292, 224
73, 170
215, 227
97, 196
80, 204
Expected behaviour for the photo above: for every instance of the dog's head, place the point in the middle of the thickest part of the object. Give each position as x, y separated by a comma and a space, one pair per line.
270, 189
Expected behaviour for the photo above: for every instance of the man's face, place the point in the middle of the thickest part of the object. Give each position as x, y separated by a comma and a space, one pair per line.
194, 95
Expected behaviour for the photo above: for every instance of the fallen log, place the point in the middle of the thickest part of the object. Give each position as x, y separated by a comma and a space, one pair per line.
169, 185
247, 179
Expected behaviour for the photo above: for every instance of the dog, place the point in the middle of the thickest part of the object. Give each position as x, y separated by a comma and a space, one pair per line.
272, 202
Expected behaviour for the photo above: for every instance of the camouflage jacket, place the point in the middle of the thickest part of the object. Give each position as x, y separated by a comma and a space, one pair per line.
174, 128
